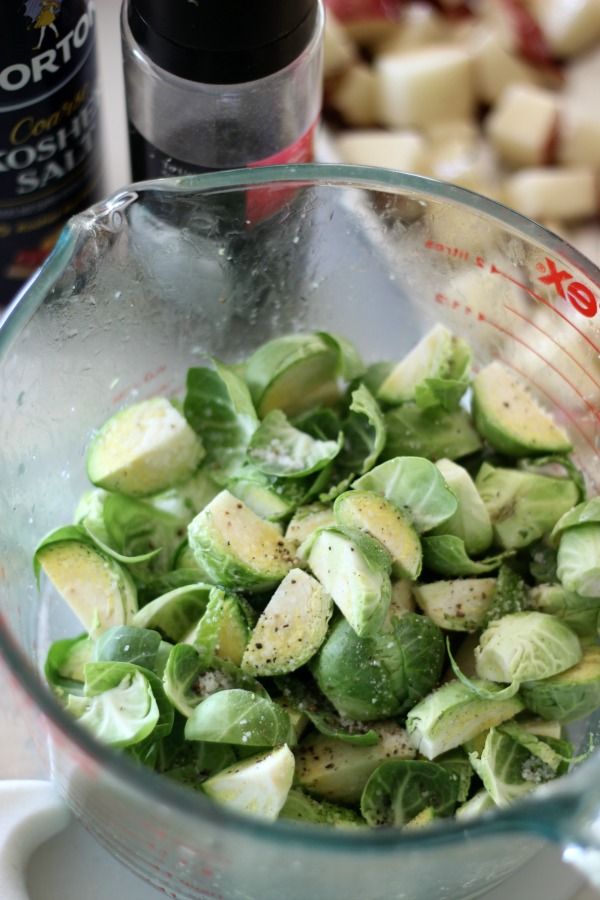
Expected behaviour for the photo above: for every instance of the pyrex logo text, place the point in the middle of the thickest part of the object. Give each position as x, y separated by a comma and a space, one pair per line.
577, 294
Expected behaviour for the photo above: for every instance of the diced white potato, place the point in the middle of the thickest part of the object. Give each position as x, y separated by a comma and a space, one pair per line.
448, 138
495, 67
578, 138
354, 95
496, 18
338, 50
569, 26
559, 228
522, 126
364, 21
461, 31
404, 150
584, 236
553, 193
419, 87
458, 241
420, 25
458, 154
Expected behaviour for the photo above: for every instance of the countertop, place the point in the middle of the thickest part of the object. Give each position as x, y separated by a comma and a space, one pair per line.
72, 866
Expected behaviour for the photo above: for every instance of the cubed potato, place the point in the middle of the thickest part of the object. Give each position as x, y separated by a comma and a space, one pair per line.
495, 16
404, 150
461, 132
458, 154
419, 87
578, 140
548, 193
461, 243
419, 26
354, 95
339, 51
584, 236
522, 126
495, 67
569, 26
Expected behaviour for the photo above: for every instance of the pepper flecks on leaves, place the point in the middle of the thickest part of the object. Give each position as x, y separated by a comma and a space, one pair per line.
337, 634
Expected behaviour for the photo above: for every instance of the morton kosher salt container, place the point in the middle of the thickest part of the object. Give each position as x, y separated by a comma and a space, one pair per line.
50, 156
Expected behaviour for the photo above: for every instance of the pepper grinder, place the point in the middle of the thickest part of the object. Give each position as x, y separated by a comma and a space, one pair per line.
220, 84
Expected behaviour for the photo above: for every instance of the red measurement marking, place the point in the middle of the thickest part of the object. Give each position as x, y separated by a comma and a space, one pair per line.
551, 400
211, 857
454, 252
443, 300
547, 363
147, 378
76, 755
204, 891
494, 270
573, 359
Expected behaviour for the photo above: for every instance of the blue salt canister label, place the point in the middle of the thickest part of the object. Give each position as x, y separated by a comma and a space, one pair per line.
50, 154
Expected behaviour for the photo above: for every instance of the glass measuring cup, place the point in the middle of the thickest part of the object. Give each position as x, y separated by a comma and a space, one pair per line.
136, 291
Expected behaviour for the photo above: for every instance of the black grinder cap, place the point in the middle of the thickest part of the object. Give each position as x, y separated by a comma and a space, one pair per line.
222, 41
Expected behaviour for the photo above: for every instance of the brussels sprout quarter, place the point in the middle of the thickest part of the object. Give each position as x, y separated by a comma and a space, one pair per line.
438, 358
144, 449
337, 771
237, 548
459, 604
372, 513
293, 373
454, 714
97, 588
291, 628
511, 419
258, 786
354, 574
569, 695
119, 705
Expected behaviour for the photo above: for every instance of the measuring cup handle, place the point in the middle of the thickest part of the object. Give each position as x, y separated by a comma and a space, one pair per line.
30, 813
571, 820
